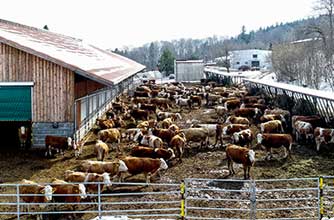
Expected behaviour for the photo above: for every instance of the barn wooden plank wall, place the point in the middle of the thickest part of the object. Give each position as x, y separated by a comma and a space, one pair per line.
53, 91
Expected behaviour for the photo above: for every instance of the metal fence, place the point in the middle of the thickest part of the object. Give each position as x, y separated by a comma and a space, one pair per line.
316, 102
303, 198
224, 78
89, 108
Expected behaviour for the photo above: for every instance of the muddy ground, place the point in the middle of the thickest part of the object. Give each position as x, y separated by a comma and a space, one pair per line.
204, 163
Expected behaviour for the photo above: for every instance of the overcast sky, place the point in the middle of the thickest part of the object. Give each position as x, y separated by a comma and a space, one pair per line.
111, 23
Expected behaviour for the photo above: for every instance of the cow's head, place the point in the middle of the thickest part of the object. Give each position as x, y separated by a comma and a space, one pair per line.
163, 164
236, 137
122, 166
106, 179
226, 128
47, 191
259, 138
257, 112
69, 141
82, 191
23, 130
171, 151
251, 156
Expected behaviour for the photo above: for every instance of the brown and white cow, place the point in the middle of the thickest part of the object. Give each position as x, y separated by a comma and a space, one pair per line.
270, 141
314, 120
243, 137
78, 177
57, 143
147, 166
114, 168
148, 140
38, 193
24, 135
323, 136
178, 144
274, 126
303, 128
241, 155
101, 150
111, 135
231, 128
237, 120
63, 188
164, 115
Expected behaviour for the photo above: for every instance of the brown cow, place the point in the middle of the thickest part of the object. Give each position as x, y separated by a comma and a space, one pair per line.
105, 123
139, 151
323, 136
178, 144
57, 143
241, 155
165, 134
270, 141
147, 166
247, 112
196, 99
232, 104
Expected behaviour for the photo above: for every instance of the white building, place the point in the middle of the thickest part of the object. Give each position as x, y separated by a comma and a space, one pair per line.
189, 70
253, 58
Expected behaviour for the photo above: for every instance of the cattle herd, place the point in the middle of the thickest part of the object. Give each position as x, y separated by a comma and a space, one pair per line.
150, 123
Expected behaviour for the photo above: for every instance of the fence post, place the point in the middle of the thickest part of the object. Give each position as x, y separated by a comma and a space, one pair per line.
182, 191
99, 200
321, 197
18, 201
253, 199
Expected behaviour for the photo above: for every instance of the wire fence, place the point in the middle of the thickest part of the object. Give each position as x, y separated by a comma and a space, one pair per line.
300, 198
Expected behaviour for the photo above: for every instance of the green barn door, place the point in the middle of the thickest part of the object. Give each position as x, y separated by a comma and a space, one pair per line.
15, 103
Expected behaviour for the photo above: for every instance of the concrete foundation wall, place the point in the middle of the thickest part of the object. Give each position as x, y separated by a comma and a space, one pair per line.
40, 130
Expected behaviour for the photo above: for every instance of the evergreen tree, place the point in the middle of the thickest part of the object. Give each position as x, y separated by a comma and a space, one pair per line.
166, 62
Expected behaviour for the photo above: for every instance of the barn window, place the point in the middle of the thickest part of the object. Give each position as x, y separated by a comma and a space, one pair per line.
254, 55
238, 63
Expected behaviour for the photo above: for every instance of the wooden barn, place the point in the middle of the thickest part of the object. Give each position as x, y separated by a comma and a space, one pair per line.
42, 74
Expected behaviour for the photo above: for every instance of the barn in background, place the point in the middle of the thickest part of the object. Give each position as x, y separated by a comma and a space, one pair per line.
252, 58
189, 70
43, 73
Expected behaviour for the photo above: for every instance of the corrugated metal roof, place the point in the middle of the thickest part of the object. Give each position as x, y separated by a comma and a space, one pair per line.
83, 58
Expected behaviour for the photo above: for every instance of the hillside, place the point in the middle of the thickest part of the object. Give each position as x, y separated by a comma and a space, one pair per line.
216, 46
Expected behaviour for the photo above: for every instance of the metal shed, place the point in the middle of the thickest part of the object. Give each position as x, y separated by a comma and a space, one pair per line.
189, 70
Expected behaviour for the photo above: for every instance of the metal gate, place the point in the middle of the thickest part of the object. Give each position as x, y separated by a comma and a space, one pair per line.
252, 199
279, 199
